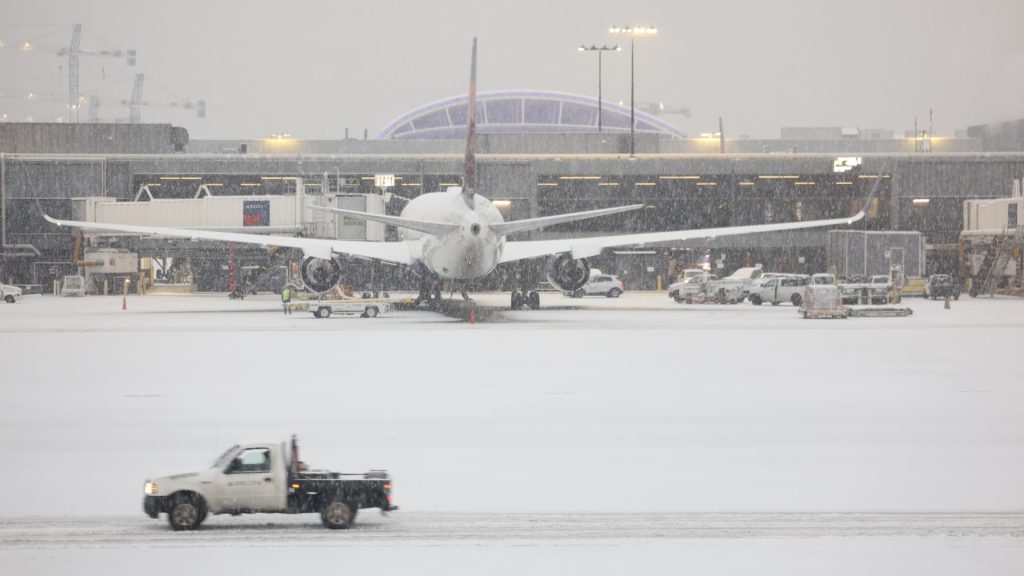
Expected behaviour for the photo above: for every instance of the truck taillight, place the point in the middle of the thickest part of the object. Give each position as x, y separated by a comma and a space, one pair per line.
387, 486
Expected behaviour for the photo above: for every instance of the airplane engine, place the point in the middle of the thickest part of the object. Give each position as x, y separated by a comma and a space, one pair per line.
566, 274
320, 275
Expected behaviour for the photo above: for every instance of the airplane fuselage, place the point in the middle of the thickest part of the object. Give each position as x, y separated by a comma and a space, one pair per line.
469, 252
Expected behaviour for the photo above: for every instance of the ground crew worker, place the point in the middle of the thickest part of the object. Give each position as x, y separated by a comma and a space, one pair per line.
286, 299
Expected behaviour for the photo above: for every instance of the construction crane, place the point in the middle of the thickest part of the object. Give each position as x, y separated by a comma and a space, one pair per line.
136, 102
73, 51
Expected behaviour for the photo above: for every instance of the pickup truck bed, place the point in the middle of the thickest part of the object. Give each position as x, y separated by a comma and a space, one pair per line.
310, 491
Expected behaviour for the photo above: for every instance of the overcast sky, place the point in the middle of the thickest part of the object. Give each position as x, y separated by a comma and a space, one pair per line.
314, 68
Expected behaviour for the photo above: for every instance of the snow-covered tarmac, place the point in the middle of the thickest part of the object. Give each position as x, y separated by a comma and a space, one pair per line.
631, 434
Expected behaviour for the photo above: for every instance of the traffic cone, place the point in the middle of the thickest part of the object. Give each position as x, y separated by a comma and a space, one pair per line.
124, 302
472, 314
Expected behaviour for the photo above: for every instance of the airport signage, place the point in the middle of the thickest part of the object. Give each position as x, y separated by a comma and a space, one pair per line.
846, 163
384, 180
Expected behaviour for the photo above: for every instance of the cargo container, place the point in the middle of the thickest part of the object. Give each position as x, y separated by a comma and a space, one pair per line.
854, 253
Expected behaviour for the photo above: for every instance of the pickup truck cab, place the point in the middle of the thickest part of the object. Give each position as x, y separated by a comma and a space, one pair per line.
265, 478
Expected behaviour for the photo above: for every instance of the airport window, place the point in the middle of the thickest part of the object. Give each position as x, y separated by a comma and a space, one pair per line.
23, 218
402, 129
507, 111
578, 115
458, 114
541, 112
614, 119
435, 119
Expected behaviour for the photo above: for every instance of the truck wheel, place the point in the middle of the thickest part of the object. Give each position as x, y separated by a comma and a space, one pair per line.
370, 312
679, 299
323, 312
755, 299
9, 299
338, 515
187, 512
797, 300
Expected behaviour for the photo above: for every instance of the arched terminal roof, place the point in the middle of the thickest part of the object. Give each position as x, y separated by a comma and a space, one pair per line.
520, 112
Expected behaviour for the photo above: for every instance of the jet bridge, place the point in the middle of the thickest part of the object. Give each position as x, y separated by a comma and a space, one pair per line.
255, 214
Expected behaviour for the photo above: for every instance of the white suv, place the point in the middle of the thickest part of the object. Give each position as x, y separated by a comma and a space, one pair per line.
10, 294
601, 285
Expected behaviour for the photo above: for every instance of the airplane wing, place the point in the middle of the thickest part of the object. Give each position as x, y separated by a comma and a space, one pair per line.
589, 247
397, 252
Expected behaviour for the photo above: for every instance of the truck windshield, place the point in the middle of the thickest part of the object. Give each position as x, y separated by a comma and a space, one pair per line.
222, 460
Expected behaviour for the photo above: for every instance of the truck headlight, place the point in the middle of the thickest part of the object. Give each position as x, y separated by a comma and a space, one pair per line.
150, 488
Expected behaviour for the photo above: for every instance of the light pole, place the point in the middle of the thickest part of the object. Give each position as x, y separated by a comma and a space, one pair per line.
600, 51
632, 32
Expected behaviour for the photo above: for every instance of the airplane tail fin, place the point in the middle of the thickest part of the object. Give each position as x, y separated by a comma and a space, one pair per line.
469, 167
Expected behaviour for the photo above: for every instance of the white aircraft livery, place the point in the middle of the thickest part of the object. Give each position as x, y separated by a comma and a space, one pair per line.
459, 235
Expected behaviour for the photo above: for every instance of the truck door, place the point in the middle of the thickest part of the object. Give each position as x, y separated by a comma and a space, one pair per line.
249, 481
772, 291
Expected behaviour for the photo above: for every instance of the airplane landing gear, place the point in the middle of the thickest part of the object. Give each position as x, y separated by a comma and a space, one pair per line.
529, 299
430, 293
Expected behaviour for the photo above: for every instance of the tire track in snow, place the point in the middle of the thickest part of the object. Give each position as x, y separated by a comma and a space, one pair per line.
542, 528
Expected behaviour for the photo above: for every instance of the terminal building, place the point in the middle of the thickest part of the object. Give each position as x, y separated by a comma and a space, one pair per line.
539, 154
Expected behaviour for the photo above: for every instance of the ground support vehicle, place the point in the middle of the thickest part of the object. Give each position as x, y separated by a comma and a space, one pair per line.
879, 310
10, 294
675, 287
265, 478
369, 308
742, 279
73, 286
705, 289
777, 289
823, 301
941, 286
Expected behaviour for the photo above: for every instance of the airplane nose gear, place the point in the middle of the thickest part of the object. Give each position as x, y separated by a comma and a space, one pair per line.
430, 292
529, 299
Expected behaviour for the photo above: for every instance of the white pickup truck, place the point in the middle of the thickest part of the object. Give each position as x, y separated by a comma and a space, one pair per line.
265, 478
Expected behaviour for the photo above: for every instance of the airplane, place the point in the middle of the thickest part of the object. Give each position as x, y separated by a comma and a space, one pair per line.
458, 235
